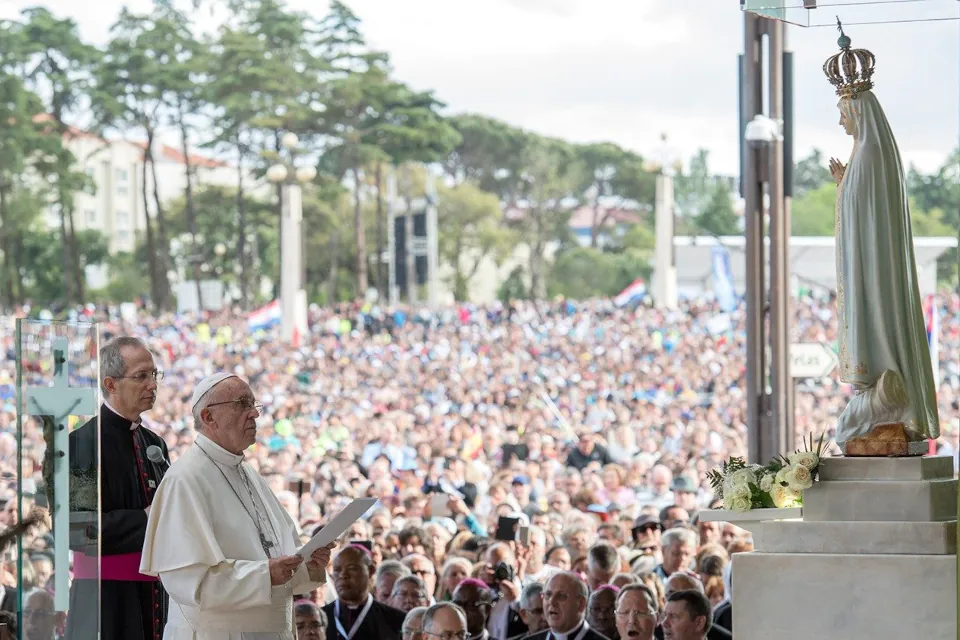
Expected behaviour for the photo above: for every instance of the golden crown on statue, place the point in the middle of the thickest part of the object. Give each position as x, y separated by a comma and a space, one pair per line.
850, 70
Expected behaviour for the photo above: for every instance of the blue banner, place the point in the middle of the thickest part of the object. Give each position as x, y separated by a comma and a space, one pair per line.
723, 279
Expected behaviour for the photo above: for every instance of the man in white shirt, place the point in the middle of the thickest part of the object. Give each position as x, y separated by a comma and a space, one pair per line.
218, 538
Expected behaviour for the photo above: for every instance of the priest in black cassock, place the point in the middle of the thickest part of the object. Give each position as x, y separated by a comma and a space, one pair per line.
355, 615
565, 610
132, 606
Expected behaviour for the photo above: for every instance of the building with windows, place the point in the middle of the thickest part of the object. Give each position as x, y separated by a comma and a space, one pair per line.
114, 204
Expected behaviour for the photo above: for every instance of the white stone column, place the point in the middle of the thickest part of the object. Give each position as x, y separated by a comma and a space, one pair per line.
292, 295
664, 270
433, 248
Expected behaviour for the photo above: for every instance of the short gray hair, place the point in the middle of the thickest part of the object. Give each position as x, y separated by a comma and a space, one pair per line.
414, 616
678, 535
417, 582
530, 592
391, 568
642, 588
111, 358
432, 612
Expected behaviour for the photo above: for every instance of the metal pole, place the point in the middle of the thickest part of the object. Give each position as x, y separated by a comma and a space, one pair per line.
752, 104
788, 181
779, 243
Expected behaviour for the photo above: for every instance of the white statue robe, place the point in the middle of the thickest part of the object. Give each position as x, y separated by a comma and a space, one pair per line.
884, 351
206, 549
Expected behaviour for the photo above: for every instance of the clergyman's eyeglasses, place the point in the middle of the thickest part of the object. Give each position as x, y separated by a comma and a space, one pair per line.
142, 377
244, 404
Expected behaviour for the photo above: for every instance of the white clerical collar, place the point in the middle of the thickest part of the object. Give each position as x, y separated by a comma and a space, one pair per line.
133, 425
576, 633
216, 452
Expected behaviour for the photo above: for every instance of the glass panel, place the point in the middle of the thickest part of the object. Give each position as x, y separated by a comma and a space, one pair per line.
58, 437
824, 13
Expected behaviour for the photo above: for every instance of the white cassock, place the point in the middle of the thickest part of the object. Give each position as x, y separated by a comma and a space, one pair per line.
204, 543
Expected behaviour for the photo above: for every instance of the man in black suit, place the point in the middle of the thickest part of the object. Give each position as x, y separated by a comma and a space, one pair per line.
565, 608
131, 606
355, 615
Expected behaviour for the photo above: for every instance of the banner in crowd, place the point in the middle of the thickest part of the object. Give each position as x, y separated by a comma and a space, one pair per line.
632, 294
723, 279
265, 317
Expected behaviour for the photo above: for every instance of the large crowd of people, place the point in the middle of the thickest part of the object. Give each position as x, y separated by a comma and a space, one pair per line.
505, 444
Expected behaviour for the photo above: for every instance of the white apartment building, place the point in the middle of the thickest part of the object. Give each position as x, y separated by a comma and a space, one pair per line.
116, 207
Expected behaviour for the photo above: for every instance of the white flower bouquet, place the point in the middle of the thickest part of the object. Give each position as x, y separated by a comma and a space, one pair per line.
777, 485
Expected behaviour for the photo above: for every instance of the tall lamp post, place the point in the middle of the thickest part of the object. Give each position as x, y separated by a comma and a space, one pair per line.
293, 297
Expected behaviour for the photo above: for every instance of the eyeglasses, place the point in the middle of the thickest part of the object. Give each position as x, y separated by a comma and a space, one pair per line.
636, 614
140, 378
448, 635
244, 404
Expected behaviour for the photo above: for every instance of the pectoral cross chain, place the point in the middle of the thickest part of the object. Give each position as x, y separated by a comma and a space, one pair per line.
266, 544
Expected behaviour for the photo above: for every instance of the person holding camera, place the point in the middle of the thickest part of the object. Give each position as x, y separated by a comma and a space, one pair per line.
499, 574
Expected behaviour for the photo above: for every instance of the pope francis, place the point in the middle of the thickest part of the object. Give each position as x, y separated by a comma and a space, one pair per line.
218, 538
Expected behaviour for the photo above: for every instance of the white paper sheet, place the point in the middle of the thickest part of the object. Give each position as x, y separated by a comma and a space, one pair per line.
335, 528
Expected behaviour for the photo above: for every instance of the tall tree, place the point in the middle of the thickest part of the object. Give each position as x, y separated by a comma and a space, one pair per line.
613, 179
25, 141
130, 96
471, 229
60, 65
549, 192
490, 154
182, 83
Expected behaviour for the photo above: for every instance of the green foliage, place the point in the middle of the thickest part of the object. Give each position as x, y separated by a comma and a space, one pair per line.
514, 287
268, 70
810, 173
471, 229
717, 217
585, 272
44, 284
814, 213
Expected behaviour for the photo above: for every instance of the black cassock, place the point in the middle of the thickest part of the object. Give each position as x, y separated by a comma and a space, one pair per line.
129, 609
382, 622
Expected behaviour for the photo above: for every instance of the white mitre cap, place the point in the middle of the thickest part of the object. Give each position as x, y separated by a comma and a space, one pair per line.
206, 385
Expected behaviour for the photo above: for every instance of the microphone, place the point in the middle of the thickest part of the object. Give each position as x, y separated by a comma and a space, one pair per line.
155, 454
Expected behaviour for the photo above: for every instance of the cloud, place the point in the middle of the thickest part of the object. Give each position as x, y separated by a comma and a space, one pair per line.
627, 70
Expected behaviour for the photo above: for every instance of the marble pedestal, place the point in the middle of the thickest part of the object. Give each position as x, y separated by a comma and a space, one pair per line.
875, 557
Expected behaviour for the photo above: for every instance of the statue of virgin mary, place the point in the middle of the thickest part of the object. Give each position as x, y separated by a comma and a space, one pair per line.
884, 352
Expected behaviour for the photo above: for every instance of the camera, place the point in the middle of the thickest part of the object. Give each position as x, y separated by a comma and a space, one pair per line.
502, 571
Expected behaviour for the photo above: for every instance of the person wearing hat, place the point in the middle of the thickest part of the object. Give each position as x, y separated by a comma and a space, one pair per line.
129, 605
218, 538
685, 493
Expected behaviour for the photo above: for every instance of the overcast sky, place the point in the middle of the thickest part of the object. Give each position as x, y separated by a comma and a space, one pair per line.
628, 70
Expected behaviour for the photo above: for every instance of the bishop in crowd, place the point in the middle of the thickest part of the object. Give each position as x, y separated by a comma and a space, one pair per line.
218, 539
